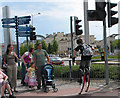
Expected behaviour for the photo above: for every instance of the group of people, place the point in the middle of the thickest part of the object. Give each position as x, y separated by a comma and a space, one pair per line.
32, 66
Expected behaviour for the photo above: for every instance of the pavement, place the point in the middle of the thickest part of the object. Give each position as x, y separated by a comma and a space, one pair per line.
72, 88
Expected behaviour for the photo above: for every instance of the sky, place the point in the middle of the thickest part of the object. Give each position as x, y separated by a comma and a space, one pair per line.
54, 16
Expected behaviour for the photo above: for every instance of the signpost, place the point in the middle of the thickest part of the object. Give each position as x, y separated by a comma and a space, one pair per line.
21, 31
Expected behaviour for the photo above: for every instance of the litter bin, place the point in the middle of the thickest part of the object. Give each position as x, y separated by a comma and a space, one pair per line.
102, 56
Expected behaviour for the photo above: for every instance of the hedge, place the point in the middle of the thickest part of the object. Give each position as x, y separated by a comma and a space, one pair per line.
96, 71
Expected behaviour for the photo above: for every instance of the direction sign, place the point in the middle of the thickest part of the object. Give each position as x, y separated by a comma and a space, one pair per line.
8, 20
24, 28
23, 35
23, 22
20, 33
24, 17
8, 26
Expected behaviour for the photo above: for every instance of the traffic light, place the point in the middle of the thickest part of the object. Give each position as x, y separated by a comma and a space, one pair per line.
111, 20
99, 14
32, 34
77, 26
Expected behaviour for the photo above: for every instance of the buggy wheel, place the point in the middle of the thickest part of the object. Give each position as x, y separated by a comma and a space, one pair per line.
88, 82
82, 84
55, 89
53, 86
46, 89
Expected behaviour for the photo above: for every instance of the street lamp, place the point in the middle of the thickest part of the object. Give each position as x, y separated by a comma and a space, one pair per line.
32, 23
34, 15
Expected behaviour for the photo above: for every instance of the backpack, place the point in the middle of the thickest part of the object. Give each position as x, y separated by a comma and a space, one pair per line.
87, 50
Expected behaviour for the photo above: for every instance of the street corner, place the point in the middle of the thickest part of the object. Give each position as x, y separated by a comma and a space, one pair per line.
61, 92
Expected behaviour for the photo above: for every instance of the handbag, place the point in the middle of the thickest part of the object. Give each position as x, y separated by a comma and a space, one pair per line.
16, 59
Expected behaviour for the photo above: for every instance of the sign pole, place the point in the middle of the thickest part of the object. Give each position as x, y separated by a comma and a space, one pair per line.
27, 41
16, 27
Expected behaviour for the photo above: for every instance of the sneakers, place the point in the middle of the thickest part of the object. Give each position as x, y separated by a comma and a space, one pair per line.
11, 96
2, 96
38, 87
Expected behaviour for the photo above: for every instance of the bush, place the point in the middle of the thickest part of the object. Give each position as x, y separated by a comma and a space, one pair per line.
96, 71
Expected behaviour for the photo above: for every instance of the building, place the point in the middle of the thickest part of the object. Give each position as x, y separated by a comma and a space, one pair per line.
64, 41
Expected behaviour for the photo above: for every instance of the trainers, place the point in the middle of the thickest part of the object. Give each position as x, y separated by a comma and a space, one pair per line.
2, 96
11, 96
38, 87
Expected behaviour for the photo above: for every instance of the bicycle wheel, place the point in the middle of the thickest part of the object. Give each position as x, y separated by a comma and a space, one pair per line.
82, 84
88, 82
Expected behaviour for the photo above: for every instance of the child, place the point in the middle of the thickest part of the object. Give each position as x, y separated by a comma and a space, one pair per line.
30, 77
4, 84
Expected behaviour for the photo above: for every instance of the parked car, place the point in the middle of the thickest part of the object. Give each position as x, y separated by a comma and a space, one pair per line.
56, 60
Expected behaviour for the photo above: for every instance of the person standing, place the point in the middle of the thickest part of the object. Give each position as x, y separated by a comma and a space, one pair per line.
26, 60
30, 77
9, 61
39, 57
85, 57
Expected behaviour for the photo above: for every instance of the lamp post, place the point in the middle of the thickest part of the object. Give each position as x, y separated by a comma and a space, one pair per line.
32, 23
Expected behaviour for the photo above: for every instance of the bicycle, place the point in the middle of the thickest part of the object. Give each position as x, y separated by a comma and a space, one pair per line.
85, 77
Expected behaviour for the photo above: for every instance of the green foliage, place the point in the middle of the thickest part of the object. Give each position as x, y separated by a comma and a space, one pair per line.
50, 48
37, 41
115, 45
44, 45
55, 46
109, 57
97, 71
23, 48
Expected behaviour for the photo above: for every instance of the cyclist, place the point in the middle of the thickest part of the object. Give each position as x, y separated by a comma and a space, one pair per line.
85, 59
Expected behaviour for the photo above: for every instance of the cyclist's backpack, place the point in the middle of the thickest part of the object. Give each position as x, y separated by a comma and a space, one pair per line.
87, 50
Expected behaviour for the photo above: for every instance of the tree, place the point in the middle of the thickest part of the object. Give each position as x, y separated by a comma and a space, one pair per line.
115, 45
23, 48
37, 41
50, 50
55, 46
44, 45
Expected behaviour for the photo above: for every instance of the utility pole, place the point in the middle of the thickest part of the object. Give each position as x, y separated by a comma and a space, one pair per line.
32, 25
86, 24
71, 26
7, 33
105, 52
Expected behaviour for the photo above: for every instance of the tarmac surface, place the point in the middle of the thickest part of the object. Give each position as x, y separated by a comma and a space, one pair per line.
72, 88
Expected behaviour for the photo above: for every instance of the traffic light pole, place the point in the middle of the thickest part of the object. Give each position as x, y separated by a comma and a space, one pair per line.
86, 24
71, 35
105, 52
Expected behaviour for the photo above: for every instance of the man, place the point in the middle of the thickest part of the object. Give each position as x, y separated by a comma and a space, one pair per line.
85, 58
39, 57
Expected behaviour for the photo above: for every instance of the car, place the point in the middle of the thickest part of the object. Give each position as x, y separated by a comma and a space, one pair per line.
56, 60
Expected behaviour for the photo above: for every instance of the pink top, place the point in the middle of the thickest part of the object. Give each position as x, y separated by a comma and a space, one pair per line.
28, 57
2, 75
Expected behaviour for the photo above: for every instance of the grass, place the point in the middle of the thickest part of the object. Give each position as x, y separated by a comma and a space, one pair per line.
109, 57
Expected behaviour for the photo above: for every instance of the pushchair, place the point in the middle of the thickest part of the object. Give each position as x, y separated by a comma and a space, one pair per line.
48, 78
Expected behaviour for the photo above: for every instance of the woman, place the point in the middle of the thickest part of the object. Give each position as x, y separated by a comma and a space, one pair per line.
5, 85
9, 61
26, 58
